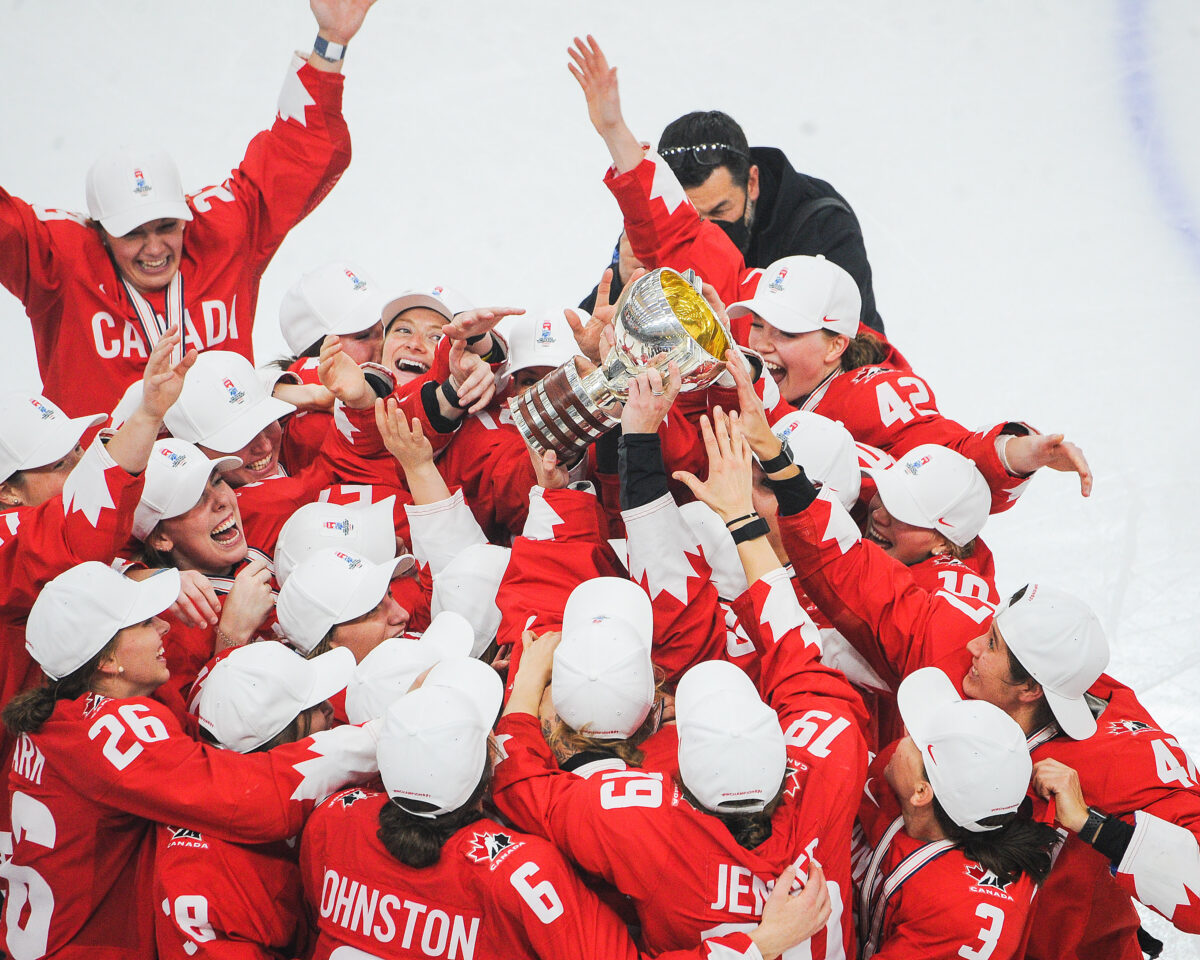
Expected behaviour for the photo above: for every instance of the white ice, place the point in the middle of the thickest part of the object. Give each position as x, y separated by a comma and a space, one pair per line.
1027, 175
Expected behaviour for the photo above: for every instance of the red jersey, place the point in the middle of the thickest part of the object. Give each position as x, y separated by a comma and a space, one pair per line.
90, 344
922, 900
225, 900
86, 789
686, 875
303, 431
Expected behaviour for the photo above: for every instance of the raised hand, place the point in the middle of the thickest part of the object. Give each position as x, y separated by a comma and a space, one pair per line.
551, 475
728, 487
471, 378
650, 399
408, 444
753, 416
476, 323
1027, 454
339, 20
198, 604
246, 607
342, 376
599, 83
788, 919
162, 381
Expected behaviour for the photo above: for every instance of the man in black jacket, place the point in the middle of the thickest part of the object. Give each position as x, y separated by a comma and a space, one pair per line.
768, 209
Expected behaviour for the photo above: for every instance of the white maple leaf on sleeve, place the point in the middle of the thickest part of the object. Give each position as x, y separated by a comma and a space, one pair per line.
86, 488
293, 97
342, 422
340, 756
666, 185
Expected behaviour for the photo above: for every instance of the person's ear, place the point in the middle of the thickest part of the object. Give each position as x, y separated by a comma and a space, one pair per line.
752, 183
158, 540
836, 347
10, 496
922, 795
1030, 691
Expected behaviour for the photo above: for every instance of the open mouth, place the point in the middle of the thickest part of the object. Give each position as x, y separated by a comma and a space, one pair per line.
258, 466
226, 532
874, 537
152, 265
775, 370
415, 367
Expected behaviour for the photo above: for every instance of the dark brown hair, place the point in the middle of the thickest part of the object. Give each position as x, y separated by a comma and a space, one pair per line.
1021, 846
417, 841
27, 711
865, 350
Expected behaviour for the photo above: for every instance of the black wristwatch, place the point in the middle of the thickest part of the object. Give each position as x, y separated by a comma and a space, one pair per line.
1091, 828
781, 460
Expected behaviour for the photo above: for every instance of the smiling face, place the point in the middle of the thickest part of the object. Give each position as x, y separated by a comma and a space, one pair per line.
207, 538
797, 362
901, 540
260, 457
35, 486
139, 660
364, 633
989, 677
148, 256
410, 341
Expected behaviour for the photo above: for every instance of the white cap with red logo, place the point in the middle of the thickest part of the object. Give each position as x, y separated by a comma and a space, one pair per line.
35, 433
540, 340
223, 404
128, 188
366, 529
826, 451
936, 488
975, 754
333, 298
176, 477
802, 294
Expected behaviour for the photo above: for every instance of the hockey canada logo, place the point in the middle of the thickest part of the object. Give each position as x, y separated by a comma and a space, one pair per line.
183, 837
235, 395
863, 374
546, 336
339, 526
1132, 727
792, 785
777, 283
45, 411
140, 186
358, 284
489, 847
175, 459
981, 876
351, 798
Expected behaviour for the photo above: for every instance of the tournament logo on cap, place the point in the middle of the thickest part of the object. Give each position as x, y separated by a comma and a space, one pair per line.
546, 336
352, 563
235, 395
175, 459
777, 283
358, 283
45, 411
140, 186
438, 291
342, 526
913, 466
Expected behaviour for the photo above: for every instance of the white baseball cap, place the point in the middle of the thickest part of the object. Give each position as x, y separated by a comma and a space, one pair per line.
732, 755
80, 611
826, 451
602, 682
365, 529
334, 298
936, 488
439, 298
176, 477
802, 294
728, 574
476, 679
130, 187
975, 754
223, 404
35, 433
1059, 640
434, 749
540, 340
328, 588
469, 585
255, 691
388, 671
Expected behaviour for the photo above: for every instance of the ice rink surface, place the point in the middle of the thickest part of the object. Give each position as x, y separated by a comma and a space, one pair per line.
1027, 175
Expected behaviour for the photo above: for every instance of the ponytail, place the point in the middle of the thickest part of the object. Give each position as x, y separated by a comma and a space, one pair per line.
27, 711
1021, 846
865, 350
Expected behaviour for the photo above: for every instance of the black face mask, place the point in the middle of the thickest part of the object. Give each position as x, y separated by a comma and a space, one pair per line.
738, 232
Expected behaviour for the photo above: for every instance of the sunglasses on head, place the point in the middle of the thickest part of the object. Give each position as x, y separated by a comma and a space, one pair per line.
705, 154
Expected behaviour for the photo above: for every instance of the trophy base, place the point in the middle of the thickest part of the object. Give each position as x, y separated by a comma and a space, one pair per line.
559, 413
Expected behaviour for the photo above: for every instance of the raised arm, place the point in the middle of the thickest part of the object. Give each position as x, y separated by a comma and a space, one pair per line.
337, 23
598, 81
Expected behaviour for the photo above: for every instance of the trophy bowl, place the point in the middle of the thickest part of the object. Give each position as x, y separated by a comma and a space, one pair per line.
661, 317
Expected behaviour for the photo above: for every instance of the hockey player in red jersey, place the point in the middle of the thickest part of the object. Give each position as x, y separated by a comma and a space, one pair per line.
951, 862
220, 899
98, 763
418, 870
101, 290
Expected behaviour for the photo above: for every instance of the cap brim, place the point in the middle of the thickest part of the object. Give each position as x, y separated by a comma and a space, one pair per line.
610, 597
369, 592
396, 306
476, 679
154, 595
59, 441
1073, 716
898, 499
922, 695
775, 314
331, 673
448, 635
122, 223
236, 434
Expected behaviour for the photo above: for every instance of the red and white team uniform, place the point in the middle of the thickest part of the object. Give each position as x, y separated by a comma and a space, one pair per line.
86, 790
493, 893
921, 900
887, 406
227, 900
687, 877
90, 520
90, 343
303, 431
1146, 779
